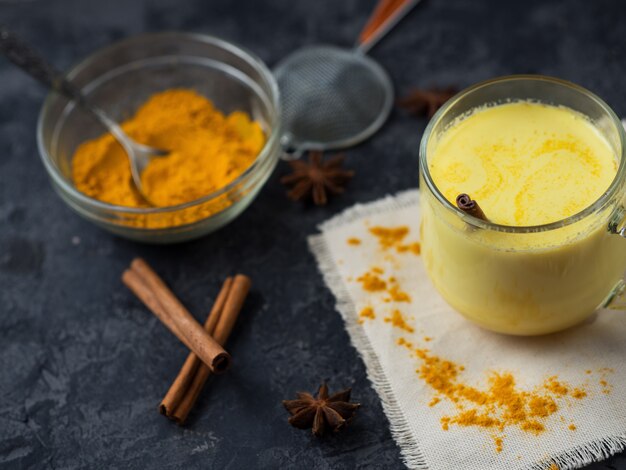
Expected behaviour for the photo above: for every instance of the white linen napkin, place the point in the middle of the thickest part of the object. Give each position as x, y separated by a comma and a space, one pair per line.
590, 356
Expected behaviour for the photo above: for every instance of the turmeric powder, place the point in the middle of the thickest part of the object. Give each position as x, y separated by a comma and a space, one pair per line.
389, 236
502, 404
397, 320
207, 151
393, 237
395, 293
366, 313
372, 282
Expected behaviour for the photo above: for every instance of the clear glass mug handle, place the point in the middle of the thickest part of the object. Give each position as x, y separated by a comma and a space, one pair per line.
616, 300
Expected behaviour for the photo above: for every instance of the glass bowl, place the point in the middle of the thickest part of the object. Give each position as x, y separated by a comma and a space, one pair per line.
119, 78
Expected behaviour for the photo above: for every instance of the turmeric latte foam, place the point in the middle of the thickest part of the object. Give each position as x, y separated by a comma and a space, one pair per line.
526, 164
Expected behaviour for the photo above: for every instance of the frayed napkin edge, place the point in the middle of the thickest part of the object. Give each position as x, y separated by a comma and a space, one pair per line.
594, 451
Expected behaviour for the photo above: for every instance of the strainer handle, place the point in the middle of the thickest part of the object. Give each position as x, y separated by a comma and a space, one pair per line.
385, 16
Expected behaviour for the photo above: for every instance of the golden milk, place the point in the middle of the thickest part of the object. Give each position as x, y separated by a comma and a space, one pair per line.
525, 164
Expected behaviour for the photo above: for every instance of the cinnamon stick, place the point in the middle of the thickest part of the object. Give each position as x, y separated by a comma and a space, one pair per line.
232, 307
136, 284
188, 371
149, 287
469, 206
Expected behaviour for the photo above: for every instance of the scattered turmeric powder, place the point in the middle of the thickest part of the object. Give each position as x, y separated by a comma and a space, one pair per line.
393, 237
207, 151
415, 248
397, 295
354, 241
542, 406
502, 404
397, 320
371, 282
572, 427
389, 237
556, 387
498, 441
606, 387
367, 313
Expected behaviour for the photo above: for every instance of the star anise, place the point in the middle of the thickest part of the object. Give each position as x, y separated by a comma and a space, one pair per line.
420, 102
317, 177
322, 413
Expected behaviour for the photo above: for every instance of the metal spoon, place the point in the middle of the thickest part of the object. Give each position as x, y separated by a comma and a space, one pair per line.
25, 57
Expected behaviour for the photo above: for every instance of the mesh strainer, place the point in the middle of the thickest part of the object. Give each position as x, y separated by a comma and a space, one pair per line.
332, 98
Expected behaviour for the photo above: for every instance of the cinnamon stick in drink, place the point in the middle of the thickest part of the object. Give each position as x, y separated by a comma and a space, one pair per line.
234, 303
149, 287
183, 380
469, 206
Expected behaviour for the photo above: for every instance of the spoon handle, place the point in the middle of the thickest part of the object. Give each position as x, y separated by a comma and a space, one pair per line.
386, 15
25, 57
29, 60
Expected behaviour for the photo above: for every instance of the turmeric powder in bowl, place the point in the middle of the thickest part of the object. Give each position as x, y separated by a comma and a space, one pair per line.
207, 151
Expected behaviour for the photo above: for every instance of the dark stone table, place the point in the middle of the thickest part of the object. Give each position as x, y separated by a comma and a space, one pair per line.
83, 364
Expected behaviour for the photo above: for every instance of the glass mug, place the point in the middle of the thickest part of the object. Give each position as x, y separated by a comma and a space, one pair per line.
535, 279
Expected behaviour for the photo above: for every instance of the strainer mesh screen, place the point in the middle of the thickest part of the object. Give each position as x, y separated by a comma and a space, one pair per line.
330, 96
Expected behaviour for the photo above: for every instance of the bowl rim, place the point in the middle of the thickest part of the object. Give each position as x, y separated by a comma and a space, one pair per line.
261, 158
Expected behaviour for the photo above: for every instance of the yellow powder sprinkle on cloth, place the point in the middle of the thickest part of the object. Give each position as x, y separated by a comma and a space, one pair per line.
389, 236
500, 405
393, 237
396, 294
366, 313
371, 282
399, 321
